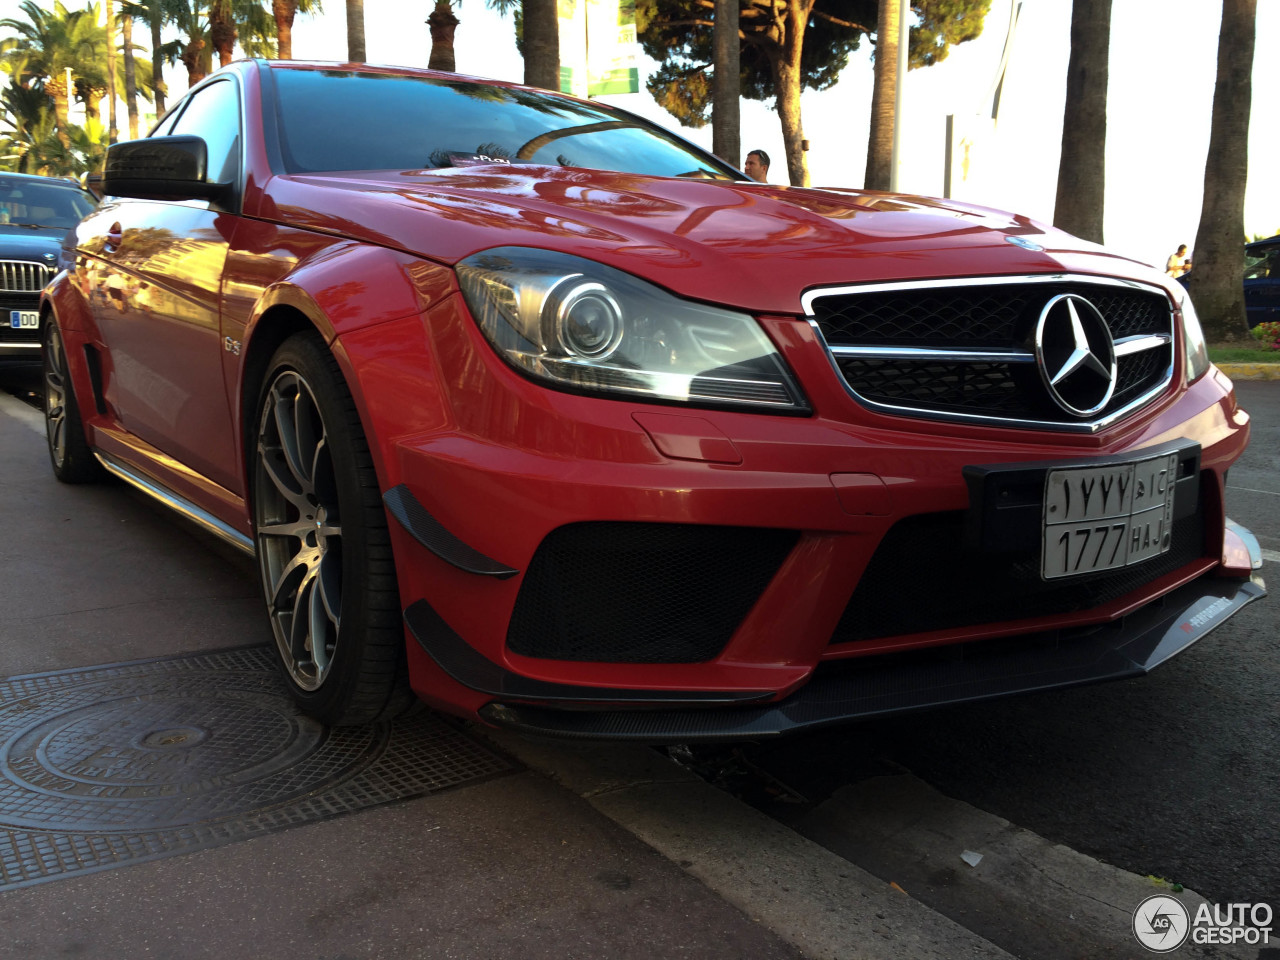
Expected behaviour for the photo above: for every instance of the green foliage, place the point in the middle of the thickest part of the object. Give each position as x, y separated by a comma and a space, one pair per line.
678, 34
1268, 334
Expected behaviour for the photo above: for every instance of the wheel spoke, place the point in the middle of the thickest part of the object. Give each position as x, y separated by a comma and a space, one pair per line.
320, 626
288, 528
276, 466
57, 437
330, 586
322, 471
300, 626
284, 415
288, 582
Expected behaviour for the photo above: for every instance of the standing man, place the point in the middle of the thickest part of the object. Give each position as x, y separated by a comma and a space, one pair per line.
757, 166
1178, 262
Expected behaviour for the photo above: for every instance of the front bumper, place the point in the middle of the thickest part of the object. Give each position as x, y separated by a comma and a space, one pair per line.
864, 688
478, 498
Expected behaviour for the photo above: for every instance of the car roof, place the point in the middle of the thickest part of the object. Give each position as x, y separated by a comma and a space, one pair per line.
1268, 242
34, 178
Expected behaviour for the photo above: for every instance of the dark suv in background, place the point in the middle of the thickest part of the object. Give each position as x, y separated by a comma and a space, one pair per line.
35, 215
1262, 280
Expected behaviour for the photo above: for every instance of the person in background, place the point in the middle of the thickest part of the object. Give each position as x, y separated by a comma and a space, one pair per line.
1178, 262
757, 166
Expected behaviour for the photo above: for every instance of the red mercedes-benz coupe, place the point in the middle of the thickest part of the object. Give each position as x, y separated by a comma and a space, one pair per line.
526, 405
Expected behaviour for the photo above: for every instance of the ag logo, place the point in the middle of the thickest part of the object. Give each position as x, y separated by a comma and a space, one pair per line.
1161, 924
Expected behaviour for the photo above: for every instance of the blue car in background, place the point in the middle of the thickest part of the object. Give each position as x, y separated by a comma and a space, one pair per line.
1262, 280
35, 215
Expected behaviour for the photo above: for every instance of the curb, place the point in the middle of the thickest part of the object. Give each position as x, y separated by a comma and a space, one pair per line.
1250, 371
816, 900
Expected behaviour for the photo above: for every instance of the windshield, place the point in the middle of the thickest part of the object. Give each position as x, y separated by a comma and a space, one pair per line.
338, 120
31, 203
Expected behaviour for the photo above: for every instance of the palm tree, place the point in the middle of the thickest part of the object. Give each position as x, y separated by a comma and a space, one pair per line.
884, 91
355, 31
537, 38
726, 78
157, 14
443, 25
28, 113
94, 80
542, 43
1082, 166
283, 12
130, 73
222, 30
47, 45
1215, 284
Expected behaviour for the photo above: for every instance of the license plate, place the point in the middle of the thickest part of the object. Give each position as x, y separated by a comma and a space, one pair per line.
24, 319
1103, 518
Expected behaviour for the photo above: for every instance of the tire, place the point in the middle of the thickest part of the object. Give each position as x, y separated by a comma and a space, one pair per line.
324, 553
69, 452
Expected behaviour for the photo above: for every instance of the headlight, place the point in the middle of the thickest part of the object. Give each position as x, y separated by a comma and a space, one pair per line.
1193, 337
580, 325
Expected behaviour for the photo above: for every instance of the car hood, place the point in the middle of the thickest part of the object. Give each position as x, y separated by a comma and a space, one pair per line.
755, 246
30, 243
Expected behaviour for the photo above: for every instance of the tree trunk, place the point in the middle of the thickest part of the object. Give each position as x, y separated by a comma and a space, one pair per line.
56, 87
222, 30
355, 31
157, 65
879, 173
443, 24
1215, 282
726, 115
111, 71
541, 44
784, 64
284, 11
130, 76
193, 60
1082, 165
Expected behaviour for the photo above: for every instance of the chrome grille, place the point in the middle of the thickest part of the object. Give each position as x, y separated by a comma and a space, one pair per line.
23, 276
963, 349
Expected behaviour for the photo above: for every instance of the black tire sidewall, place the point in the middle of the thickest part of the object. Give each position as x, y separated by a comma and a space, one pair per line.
351, 692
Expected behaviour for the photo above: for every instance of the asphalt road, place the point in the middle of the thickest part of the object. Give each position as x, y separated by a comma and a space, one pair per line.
1175, 775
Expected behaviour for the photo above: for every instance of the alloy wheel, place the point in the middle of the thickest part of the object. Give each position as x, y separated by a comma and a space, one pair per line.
55, 394
299, 530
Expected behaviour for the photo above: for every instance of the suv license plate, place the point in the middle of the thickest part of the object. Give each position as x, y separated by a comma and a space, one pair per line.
1103, 518
24, 319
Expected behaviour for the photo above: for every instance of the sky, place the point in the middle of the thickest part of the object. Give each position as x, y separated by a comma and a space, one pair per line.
1160, 101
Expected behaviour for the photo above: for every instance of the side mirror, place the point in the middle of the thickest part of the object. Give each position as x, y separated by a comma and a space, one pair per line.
166, 168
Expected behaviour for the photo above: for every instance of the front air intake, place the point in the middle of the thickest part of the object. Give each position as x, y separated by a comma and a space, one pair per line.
642, 592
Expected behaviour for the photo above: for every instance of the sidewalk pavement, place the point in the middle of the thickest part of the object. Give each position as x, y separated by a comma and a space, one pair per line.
524, 863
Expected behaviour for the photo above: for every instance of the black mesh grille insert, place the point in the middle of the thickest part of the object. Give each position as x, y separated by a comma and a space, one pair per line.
642, 592
924, 577
997, 317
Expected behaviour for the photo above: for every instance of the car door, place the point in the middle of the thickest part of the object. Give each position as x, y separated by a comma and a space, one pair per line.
156, 293
1262, 285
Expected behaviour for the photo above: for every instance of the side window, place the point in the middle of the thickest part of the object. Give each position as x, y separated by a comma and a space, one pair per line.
165, 126
1265, 268
214, 114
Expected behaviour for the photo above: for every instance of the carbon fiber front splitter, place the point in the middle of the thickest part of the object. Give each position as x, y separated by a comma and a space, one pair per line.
863, 688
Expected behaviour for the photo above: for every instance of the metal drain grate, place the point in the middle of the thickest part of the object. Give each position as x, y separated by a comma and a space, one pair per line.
112, 765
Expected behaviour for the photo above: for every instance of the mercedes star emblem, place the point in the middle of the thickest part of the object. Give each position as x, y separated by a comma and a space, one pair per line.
1076, 355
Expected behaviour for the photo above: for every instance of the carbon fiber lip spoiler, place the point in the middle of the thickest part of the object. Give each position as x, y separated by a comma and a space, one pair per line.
883, 686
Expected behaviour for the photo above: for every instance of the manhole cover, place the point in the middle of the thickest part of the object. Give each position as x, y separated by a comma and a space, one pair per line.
116, 764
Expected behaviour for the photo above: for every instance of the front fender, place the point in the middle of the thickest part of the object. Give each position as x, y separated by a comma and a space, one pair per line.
279, 280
